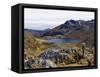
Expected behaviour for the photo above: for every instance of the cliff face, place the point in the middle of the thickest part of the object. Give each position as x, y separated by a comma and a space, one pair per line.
72, 27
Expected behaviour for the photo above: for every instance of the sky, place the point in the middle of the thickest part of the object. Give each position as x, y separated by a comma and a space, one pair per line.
40, 19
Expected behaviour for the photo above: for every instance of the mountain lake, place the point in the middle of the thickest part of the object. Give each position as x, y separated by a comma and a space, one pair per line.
64, 40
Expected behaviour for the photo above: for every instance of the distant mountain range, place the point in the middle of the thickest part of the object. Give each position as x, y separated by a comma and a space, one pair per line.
69, 27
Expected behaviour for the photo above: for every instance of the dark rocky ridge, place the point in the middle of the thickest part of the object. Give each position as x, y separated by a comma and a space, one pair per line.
69, 27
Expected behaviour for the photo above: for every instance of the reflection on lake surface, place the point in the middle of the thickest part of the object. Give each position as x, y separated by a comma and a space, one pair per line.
64, 40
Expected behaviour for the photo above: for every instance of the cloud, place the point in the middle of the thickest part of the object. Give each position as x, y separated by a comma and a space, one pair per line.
47, 18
